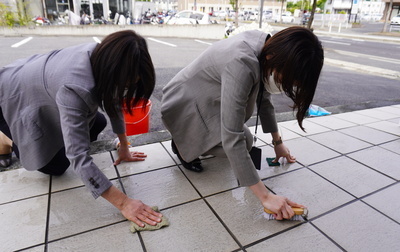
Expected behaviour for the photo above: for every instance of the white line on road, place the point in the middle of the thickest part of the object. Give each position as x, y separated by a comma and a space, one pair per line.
97, 40
361, 40
334, 42
22, 42
162, 42
203, 42
372, 57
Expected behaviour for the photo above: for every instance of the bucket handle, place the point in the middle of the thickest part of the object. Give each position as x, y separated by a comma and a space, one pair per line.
144, 117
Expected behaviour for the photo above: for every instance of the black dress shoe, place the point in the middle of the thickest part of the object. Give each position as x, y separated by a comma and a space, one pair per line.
5, 160
195, 165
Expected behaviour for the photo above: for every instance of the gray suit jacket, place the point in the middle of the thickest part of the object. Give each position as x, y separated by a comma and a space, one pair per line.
208, 102
48, 102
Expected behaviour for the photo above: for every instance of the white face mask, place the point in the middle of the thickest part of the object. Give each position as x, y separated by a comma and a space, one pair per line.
271, 86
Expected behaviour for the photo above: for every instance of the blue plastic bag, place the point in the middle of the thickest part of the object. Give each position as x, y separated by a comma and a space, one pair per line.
315, 110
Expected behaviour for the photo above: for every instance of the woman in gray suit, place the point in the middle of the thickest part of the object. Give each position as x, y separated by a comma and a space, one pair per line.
49, 108
205, 106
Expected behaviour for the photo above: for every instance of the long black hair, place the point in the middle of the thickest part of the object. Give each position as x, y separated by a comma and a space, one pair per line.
296, 56
122, 61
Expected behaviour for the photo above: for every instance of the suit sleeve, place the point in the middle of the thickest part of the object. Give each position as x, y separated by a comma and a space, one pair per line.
74, 116
238, 80
267, 112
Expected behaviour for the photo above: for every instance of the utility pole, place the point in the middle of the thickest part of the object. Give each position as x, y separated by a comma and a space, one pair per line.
310, 21
388, 14
260, 9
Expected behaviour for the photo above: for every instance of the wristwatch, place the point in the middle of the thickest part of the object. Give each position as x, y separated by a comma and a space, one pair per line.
276, 143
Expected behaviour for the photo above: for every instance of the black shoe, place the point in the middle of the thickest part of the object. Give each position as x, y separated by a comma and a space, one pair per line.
195, 165
5, 160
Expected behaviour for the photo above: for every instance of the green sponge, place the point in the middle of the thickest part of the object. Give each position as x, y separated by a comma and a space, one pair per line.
270, 163
164, 222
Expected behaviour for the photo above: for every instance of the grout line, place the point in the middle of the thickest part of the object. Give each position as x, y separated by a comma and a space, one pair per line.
46, 236
329, 238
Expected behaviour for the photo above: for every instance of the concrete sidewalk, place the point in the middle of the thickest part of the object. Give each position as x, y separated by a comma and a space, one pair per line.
347, 173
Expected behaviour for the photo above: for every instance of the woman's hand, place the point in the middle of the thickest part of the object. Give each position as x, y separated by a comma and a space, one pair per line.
281, 206
282, 151
124, 154
136, 211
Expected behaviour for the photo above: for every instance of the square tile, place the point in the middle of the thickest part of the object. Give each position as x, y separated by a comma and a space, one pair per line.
75, 210
20, 184
269, 171
266, 138
242, 213
386, 126
163, 188
369, 134
332, 122
356, 118
376, 113
310, 127
392, 146
339, 142
309, 152
357, 227
157, 157
116, 237
302, 238
351, 176
383, 201
35, 249
390, 109
217, 176
70, 179
23, 223
193, 227
379, 159
305, 187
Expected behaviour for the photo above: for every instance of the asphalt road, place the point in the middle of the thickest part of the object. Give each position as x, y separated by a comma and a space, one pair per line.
356, 74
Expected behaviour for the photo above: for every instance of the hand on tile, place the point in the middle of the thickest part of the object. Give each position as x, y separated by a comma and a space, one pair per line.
282, 151
140, 213
124, 154
281, 206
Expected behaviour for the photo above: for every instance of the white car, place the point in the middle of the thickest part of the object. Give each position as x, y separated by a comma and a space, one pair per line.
395, 20
189, 17
286, 18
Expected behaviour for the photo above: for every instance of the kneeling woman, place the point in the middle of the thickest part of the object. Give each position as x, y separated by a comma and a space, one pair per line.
206, 105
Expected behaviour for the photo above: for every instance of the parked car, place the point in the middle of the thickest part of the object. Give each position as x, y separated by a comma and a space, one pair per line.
267, 15
189, 17
395, 20
286, 18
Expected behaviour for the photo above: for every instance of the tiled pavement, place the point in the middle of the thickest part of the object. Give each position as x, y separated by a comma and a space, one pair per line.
347, 173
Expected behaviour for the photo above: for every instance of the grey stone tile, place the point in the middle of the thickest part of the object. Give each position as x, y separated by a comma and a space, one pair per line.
357, 227
111, 238
384, 201
217, 176
305, 187
392, 146
243, 214
379, 159
386, 126
193, 227
266, 138
310, 127
369, 134
376, 113
70, 179
75, 210
303, 238
331, 122
339, 142
309, 152
23, 223
352, 176
35, 249
356, 118
157, 157
390, 109
163, 188
268, 171
20, 183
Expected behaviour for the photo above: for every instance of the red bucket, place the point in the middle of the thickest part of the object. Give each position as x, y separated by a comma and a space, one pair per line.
138, 122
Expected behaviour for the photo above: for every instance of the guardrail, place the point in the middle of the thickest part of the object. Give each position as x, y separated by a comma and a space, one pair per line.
394, 27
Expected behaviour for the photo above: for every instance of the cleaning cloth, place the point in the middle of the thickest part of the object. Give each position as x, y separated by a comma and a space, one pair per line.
164, 222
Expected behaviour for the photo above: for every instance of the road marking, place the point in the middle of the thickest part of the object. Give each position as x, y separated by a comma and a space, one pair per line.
389, 60
335, 42
363, 68
97, 40
203, 42
162, 42
22, 42
361, 40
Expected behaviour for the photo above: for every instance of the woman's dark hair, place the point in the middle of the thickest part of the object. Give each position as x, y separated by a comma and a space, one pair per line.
296, 56
122, 61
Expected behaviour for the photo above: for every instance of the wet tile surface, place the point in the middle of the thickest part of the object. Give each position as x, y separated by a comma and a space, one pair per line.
346, 172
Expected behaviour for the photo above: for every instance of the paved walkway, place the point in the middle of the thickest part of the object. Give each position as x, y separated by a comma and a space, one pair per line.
347, 173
